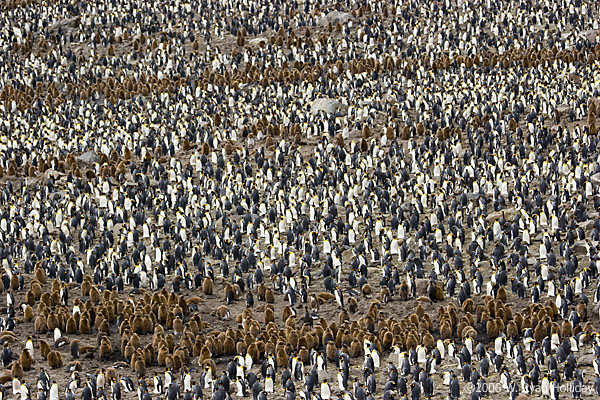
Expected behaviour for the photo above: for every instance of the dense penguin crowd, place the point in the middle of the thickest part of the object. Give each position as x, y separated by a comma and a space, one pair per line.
299, 200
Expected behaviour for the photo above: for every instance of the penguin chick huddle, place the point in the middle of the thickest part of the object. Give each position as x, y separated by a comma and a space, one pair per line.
299, 200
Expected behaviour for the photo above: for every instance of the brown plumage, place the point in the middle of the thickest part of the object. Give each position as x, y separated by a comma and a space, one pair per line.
367, 290
40, 274
269, 315
44, 348
501, 296
403, 291
582, 311
204, 354
84, 325
16, 370
566, 329
40, 325
29, 298
28, 314
286, 313
140, 368
405, 133
94, 295
161, 358
512, 331
105, 349
71, 326
14, 282
355, 349
281, 356
364, 146
253, 351
36, 290
366, 132
445, 330
229, 346
269, 296
5, 377
223, 312
491, 328
12, 170
55, 359
74, 348
207, 286
26, 360
352, 305
177, 325
389, 133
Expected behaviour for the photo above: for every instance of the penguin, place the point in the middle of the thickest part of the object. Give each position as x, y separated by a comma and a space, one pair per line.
172, 391
371, 384
6, 355
241, 389
53, 394
157, 383
454, 388
29, 346
268, 384
325, 391
115, 390
101, 379
339, 296
86, 393
74, 348
127, 384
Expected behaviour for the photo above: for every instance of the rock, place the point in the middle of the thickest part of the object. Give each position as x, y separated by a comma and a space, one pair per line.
323, 375
257, 41
563, 110
590, 34
89, 157
219, 224
421, 286
586, 360
509, 214
336, 17
580, 248
329, 106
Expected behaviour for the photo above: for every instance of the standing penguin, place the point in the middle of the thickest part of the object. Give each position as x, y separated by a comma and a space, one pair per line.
339, 296
158, 383
428, 387
127, 384
454, 388
6, 355
325, 390
86, 393
172, 391
116, 389
256, 390
100, 379
54, 391
371, 384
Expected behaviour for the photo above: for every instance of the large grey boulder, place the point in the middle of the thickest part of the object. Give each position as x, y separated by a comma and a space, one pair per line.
336, 17
89, 157
590, 34
329, 106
